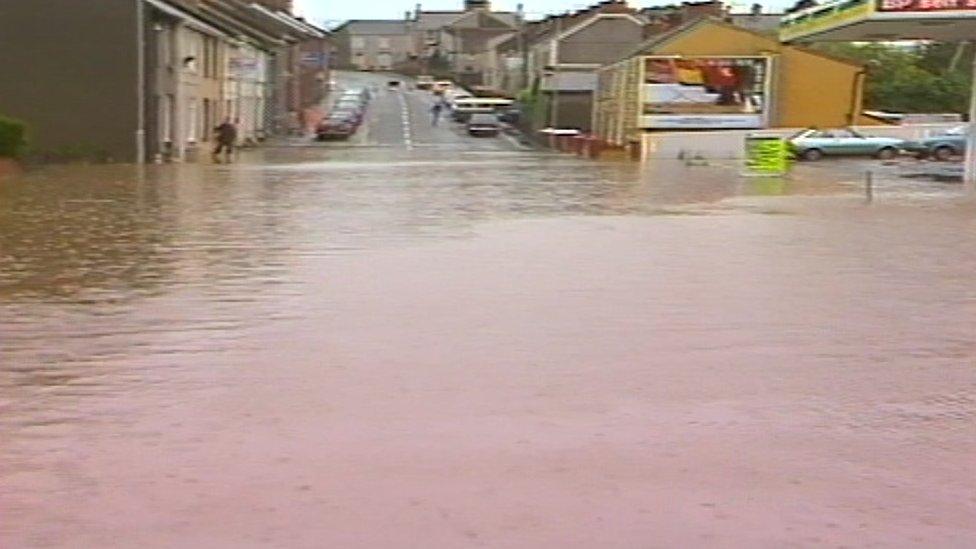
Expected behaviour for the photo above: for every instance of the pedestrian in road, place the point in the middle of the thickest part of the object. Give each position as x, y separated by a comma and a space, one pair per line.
226, 134
436, 112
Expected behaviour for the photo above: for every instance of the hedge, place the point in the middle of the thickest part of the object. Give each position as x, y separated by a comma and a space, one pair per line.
12, 138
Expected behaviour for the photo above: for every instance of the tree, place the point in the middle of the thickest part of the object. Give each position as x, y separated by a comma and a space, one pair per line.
920, 78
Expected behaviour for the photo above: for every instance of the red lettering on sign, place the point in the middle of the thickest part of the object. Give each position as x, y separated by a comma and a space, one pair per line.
926, 5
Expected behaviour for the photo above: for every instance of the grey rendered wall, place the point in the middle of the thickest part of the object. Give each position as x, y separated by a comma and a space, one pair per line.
605, 41
69, 70
575, 110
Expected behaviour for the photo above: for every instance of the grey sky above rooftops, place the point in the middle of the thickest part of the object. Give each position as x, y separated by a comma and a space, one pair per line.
330, 13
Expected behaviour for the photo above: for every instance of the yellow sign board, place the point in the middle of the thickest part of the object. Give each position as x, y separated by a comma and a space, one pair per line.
824, 18
767, 155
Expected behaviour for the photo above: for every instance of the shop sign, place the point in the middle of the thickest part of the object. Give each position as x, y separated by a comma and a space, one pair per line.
899, 6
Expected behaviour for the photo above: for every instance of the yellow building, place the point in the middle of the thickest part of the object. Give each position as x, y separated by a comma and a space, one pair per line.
712, 75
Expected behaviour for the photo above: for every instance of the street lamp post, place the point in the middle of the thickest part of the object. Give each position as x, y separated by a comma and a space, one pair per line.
969, 174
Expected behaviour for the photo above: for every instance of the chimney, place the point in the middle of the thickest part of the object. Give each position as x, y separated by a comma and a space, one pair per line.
472, 5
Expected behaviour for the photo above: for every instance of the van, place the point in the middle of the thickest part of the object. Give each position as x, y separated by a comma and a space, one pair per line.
464, 108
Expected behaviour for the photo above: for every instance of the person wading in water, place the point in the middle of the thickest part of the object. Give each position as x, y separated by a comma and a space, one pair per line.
226, 138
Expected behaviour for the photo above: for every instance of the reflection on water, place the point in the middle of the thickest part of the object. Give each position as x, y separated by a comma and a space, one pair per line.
156, 312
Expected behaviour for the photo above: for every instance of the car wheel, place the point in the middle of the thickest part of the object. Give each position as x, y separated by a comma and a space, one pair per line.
887, 153
812, 155
943, 153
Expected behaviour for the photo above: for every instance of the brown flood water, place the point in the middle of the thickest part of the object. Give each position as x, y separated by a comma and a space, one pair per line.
486, 350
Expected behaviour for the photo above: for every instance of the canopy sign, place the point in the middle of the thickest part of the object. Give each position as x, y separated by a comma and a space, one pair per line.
907, 6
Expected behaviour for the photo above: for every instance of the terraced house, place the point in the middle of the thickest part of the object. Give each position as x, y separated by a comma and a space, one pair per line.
147, 80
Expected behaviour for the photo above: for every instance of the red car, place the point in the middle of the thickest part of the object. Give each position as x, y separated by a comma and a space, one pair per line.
337, 126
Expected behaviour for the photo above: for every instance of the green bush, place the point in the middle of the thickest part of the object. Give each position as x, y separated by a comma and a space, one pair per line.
12, 138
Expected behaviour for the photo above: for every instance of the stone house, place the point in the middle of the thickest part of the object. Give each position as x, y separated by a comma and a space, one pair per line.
370, 45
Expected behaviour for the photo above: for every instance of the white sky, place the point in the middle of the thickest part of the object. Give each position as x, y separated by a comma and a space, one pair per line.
330, 13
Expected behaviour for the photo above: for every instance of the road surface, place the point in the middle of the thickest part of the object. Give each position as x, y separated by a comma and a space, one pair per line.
446, 342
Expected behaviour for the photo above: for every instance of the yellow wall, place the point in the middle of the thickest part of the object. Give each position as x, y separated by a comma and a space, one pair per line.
811, 90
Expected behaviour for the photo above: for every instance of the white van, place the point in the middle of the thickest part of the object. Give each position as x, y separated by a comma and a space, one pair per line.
464, 108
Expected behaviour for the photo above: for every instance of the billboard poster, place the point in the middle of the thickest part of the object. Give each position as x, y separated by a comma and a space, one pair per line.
705, 92
899, 6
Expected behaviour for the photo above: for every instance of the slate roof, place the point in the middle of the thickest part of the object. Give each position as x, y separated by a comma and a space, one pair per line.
374, 27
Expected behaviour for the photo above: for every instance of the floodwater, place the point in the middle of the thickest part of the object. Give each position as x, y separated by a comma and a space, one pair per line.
431, 349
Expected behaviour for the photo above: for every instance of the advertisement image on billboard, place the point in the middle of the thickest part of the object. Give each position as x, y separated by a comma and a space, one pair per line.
705, 92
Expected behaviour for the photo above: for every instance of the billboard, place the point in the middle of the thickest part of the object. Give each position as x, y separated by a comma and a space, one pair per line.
897, 6
705, 92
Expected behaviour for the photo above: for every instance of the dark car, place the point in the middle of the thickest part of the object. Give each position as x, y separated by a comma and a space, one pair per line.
940, 147
483, 124
338, 125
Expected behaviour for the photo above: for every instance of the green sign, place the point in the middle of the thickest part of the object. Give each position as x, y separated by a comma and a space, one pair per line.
767, 155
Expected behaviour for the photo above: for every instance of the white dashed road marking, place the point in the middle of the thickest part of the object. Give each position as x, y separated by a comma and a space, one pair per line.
405, 114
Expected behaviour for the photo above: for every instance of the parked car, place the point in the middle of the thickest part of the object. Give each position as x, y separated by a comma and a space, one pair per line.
483, 124
940, 147
338, 125
814, 144
355, 116
425, 82
362, 95
510, 115
349, 104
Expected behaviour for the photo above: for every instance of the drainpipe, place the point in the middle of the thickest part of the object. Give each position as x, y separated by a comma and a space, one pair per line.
140, 83
969, 176
857, 95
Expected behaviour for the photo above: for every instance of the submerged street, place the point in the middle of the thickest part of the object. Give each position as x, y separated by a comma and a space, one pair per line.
421, 339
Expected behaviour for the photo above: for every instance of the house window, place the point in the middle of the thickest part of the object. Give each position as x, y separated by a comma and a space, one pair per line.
192, 120
207, 120
358, 42
384, 43
165, 50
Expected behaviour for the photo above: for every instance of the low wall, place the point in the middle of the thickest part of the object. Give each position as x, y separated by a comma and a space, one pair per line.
730, 143
9, 166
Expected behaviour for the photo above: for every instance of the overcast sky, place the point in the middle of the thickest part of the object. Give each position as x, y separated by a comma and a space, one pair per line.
331, 12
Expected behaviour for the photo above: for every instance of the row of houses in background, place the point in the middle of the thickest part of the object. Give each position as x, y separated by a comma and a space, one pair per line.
554, 64
148, 80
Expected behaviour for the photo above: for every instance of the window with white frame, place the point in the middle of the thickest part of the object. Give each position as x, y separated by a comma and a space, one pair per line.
192, 120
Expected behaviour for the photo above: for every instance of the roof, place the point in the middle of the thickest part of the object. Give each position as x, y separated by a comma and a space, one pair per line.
291, 22
648, 47
481, 20
764, 22
561, 24
191, 20
435, 20
391, 27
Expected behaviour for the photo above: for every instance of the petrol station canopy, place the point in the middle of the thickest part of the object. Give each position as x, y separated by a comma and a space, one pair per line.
882, 21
